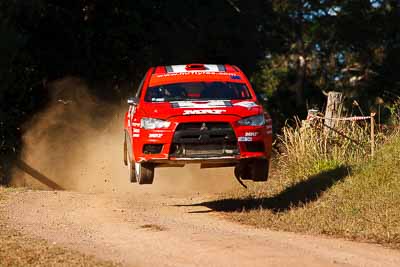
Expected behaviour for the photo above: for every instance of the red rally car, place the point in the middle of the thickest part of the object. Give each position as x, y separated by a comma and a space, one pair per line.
196, 113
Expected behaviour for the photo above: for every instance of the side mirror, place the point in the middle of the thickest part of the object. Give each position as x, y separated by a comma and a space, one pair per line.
132, 101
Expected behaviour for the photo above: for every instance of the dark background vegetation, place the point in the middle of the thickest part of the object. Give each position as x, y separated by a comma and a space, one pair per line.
292, 50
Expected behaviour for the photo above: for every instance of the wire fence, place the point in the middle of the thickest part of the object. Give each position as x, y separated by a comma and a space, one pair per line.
313, 117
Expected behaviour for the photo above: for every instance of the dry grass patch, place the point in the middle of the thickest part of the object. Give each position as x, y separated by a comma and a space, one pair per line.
343, 195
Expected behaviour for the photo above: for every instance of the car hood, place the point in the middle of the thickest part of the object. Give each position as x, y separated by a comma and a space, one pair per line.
167, 110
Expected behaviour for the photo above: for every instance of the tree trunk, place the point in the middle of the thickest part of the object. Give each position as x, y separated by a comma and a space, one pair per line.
301, 60
301, 73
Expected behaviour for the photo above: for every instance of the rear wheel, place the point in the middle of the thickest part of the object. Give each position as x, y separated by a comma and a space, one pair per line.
128, 159
144, 173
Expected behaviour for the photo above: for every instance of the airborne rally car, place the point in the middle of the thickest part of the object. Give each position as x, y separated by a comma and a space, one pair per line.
196, 113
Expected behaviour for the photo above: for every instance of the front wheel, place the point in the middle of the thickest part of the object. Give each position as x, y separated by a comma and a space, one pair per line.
131, 167
255, 169
128, 159
144, 173
260, 170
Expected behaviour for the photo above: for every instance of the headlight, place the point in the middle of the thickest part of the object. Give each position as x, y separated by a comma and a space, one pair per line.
257, 120
150, 123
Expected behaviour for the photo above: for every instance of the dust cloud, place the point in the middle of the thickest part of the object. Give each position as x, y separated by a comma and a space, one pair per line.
77, 144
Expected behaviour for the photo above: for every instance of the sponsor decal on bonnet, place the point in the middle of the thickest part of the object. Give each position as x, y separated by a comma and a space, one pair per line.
197, 72
159, 99
203, 111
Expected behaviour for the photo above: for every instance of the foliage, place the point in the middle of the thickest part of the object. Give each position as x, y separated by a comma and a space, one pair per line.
19, 87
349, 46
394, 111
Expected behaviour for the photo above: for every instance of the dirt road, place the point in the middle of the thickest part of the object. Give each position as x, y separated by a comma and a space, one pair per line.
147, 228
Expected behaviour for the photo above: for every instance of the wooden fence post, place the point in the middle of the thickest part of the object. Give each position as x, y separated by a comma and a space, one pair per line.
372, 134
333, 110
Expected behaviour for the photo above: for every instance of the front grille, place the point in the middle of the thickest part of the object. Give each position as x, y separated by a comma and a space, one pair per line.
204, 133
199, 125
204, 139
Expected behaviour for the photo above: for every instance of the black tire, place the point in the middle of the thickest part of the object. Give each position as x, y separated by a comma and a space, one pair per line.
255, 170
125, 153
131, 168
259, 170
144, 173
128, 159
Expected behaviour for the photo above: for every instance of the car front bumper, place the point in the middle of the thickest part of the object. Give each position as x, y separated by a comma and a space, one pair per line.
177, 146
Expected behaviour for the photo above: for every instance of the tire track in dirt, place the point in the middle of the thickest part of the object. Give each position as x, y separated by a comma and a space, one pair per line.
143, 228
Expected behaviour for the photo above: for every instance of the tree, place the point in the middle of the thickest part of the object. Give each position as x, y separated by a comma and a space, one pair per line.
346, 46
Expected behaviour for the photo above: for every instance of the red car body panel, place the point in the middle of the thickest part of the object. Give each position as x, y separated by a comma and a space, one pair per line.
193, 111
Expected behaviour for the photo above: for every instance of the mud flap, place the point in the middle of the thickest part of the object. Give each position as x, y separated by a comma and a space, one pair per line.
238, 178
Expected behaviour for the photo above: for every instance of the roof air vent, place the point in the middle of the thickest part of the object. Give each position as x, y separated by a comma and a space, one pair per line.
195, 67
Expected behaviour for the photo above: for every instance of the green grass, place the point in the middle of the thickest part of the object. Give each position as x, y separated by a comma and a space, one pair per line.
342, 196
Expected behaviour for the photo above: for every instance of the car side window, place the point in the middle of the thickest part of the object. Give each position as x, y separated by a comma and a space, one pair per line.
139, 90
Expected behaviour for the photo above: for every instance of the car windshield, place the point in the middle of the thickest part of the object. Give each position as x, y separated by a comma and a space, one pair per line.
197, 91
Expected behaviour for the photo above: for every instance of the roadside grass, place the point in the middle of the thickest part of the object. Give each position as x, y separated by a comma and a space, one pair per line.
17, 249
331, 189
